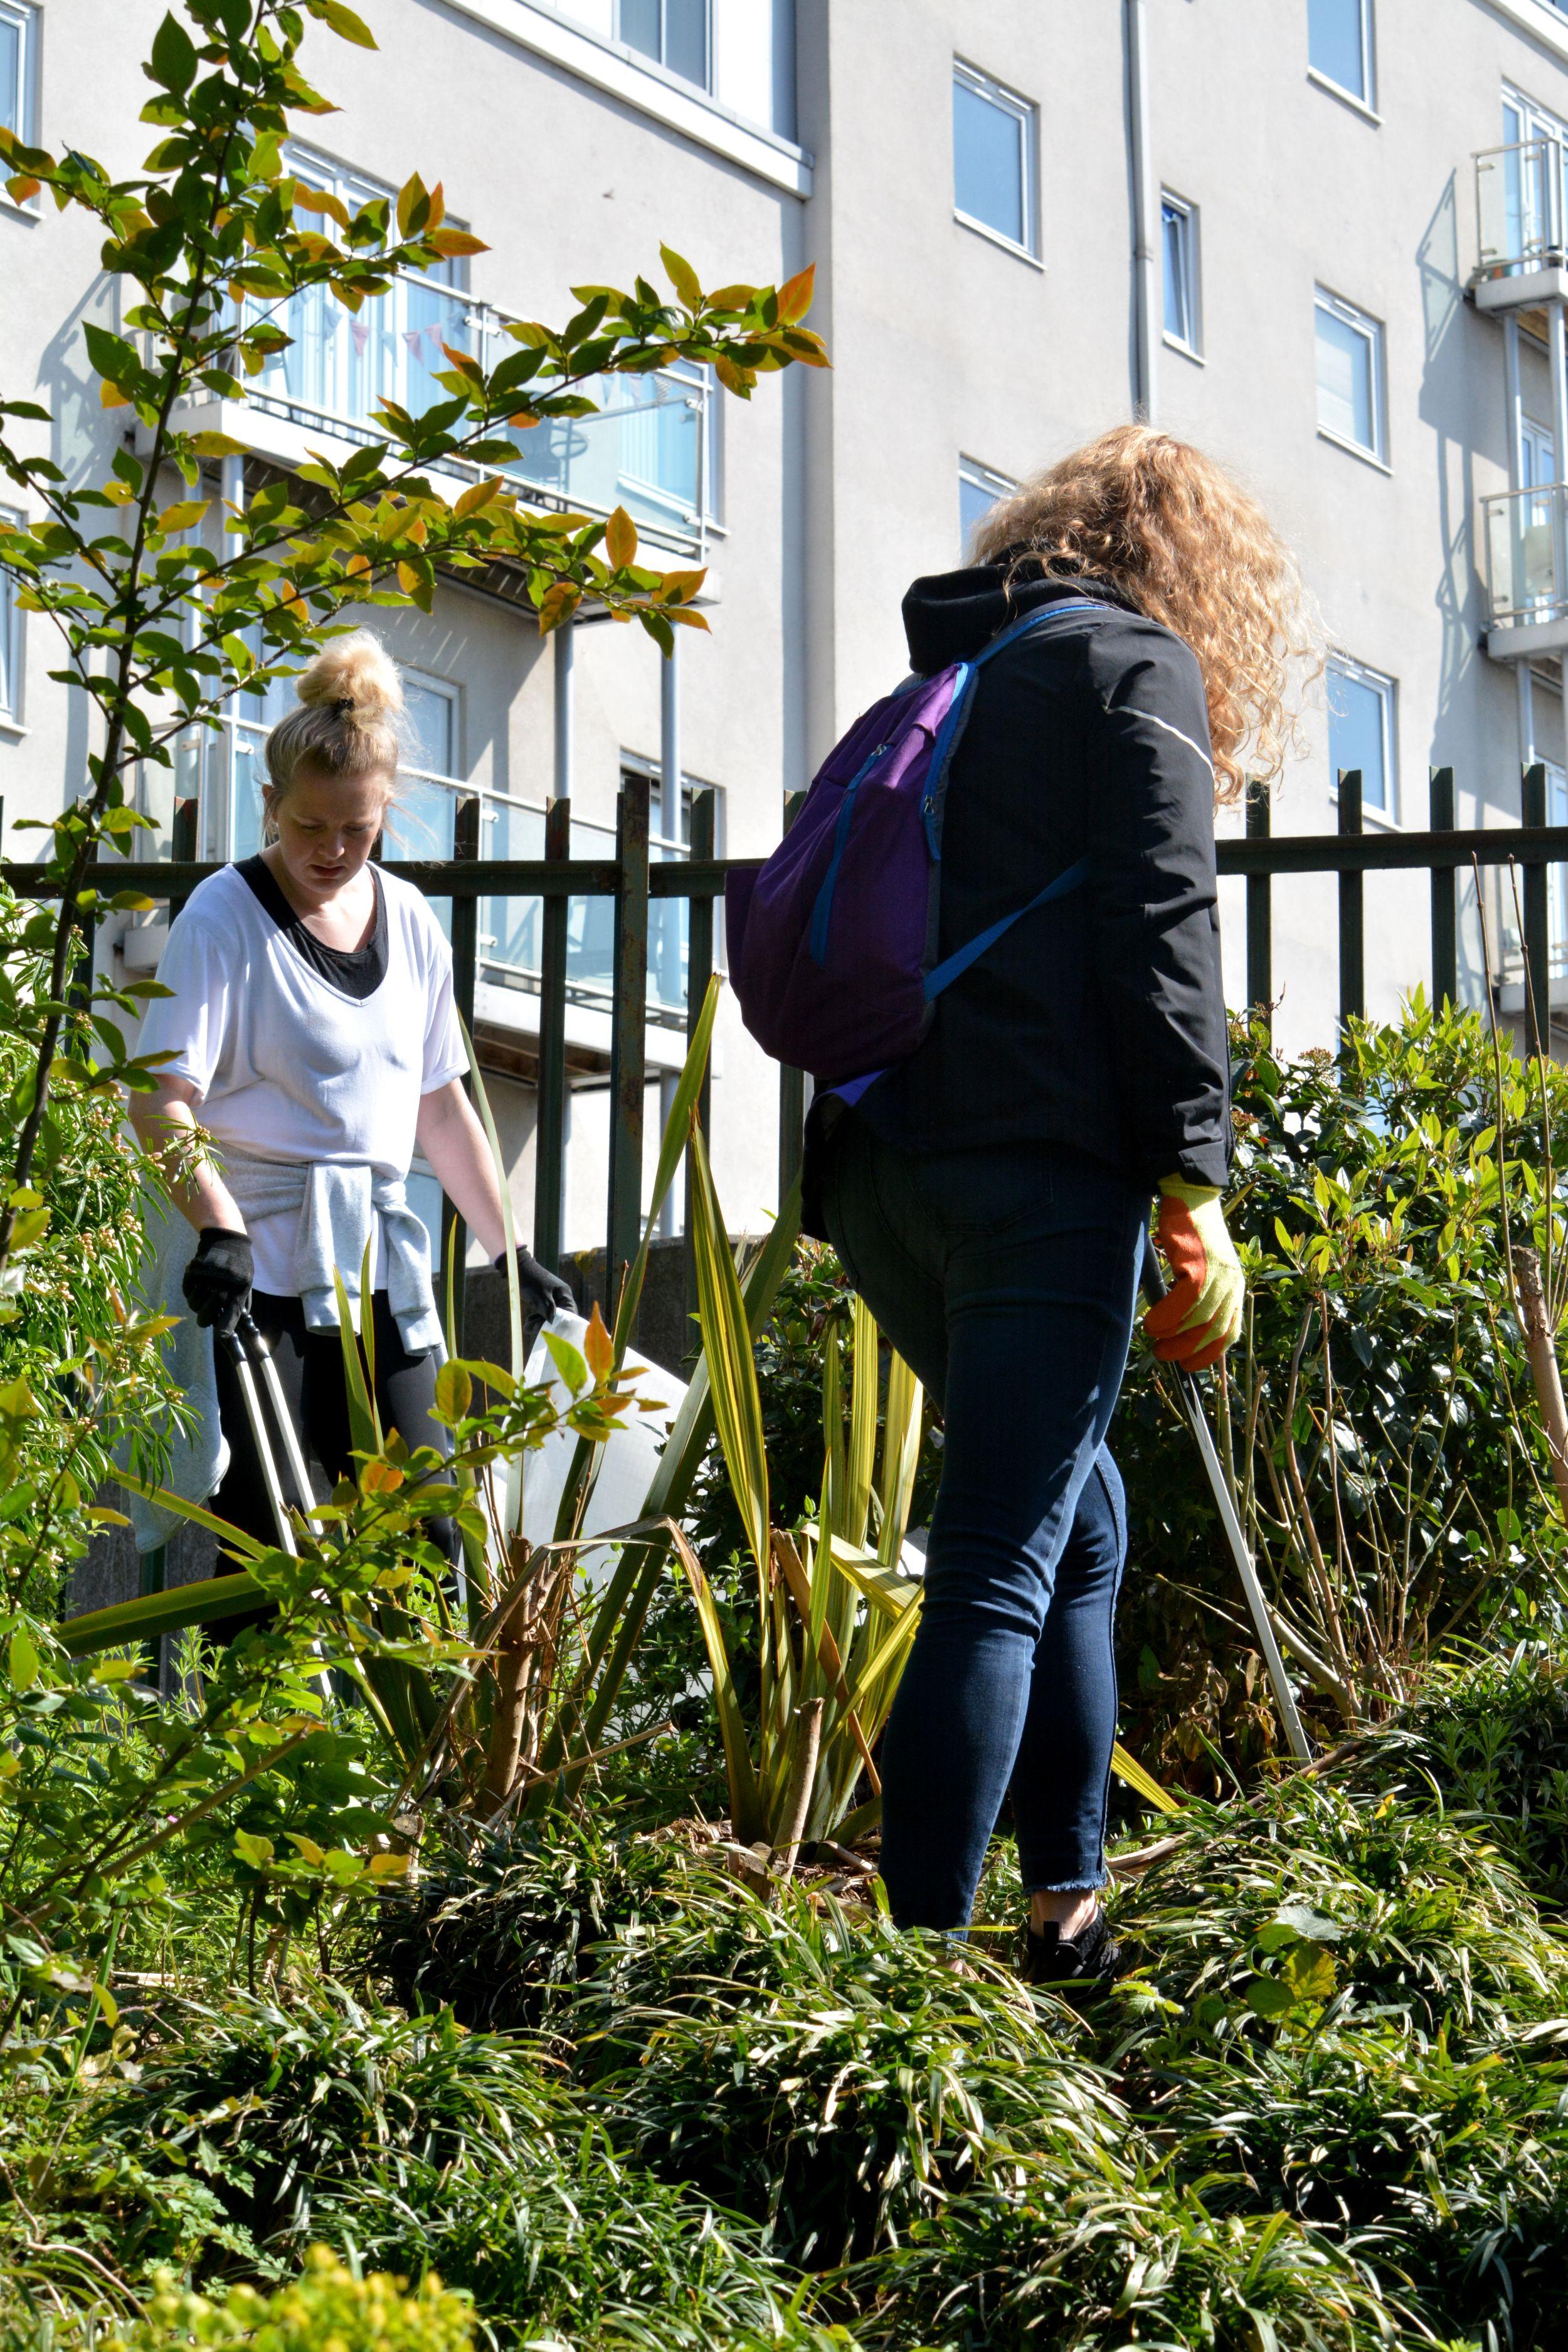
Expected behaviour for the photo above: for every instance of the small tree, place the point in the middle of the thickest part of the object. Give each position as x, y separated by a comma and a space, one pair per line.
210, 242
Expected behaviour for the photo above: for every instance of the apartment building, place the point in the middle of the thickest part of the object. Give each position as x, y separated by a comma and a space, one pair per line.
1324, 238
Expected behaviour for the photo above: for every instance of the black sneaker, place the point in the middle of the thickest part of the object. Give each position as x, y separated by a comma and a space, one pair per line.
1091, 1956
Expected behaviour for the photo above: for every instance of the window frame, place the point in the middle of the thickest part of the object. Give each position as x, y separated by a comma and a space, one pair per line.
1365, 100
1026, 113
450, 691
980, 477
13, 635
1192, 273
1372, 330
1386, 688
660, 64
23, 15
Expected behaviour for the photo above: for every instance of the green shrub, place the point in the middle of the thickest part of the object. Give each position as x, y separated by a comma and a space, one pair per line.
1353, 2014
1367, 1194
831, 2078
328, 2308
497, 1932
1489, 1734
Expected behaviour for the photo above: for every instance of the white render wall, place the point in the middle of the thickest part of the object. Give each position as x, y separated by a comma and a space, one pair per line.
574, 160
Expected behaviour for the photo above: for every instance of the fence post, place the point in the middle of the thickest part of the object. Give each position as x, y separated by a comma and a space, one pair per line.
1353, 948
1259, 915
550, 1133
699, 972
792, 1083
1444, 897
465, 974
1537, 941
627, 1038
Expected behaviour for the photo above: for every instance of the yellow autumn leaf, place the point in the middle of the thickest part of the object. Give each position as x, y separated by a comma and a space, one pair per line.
620, 539
598, 1347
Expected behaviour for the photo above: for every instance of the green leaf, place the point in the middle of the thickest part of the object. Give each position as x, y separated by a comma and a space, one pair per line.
731, 1367
173, 56
22, 1660
683, 276
257, 1851
454, 1390
568, 1362
1267, 1997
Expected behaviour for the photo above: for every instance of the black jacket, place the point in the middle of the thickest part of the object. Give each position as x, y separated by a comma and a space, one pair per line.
1098, 1021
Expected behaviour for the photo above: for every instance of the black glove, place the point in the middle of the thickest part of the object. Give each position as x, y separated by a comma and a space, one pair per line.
218, 1278
543, 1293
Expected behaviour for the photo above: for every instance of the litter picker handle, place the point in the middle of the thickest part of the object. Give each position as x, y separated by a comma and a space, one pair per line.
240, 1355
1153, 1284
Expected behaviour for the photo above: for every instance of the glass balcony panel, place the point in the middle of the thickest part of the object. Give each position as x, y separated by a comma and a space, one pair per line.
341, 364
1520, 193
511, 929
1524, 537
641, 450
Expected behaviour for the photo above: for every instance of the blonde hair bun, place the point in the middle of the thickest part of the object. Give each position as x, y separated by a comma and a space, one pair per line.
349, 719
357, 670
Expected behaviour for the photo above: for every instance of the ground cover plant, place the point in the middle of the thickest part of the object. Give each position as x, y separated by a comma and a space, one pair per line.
395, 1980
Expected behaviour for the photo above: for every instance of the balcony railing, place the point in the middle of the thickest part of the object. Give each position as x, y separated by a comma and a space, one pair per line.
1526, 534
647, 449
1520, 208
221, 776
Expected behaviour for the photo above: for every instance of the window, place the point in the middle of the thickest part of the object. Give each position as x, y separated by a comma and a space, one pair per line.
341, 364
673, 32
978, 490
421, 823
1350, 376
1537, 459
1179, 234
1339, 45
19, 35
10, 640
1533, 167
994, 161
1360, 730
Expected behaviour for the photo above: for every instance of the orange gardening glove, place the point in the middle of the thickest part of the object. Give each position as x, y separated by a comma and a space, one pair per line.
1200, 1315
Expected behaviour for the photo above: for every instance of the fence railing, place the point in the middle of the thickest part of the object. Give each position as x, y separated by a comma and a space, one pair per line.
636, 887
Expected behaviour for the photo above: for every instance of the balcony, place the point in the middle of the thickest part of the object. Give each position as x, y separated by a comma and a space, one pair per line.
1521, 261
648, 450
1526, 536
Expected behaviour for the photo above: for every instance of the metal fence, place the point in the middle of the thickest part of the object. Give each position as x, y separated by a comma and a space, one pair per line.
634, 885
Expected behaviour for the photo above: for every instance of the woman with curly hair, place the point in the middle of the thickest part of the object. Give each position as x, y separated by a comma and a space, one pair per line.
990, 1194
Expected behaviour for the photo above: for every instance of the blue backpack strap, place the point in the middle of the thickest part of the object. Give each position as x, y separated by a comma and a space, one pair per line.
958, 963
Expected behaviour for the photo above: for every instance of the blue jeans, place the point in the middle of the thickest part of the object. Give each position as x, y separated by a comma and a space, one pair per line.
1007, 1280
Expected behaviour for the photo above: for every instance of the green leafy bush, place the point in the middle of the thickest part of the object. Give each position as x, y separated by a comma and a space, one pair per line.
329, 2308
830, 2076
1489, 1734
1379, 1411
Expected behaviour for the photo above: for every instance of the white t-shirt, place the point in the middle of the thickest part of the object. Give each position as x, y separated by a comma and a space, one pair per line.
290, 1068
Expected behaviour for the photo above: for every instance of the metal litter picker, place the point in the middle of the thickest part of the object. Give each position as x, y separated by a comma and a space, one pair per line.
1154, 1285
249, 1353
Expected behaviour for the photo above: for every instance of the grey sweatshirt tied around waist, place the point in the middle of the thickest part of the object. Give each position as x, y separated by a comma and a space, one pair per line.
337, 1207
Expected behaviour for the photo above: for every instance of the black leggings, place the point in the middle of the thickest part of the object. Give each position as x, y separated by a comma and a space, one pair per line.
311, 1371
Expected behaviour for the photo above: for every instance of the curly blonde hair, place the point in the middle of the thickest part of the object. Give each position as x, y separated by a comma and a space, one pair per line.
1182, 540
348, 721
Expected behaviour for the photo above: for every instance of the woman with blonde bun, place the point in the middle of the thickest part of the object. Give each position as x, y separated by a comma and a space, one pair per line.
310, 1027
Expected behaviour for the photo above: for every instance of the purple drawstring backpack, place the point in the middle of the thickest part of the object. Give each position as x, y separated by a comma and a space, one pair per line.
832, 942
